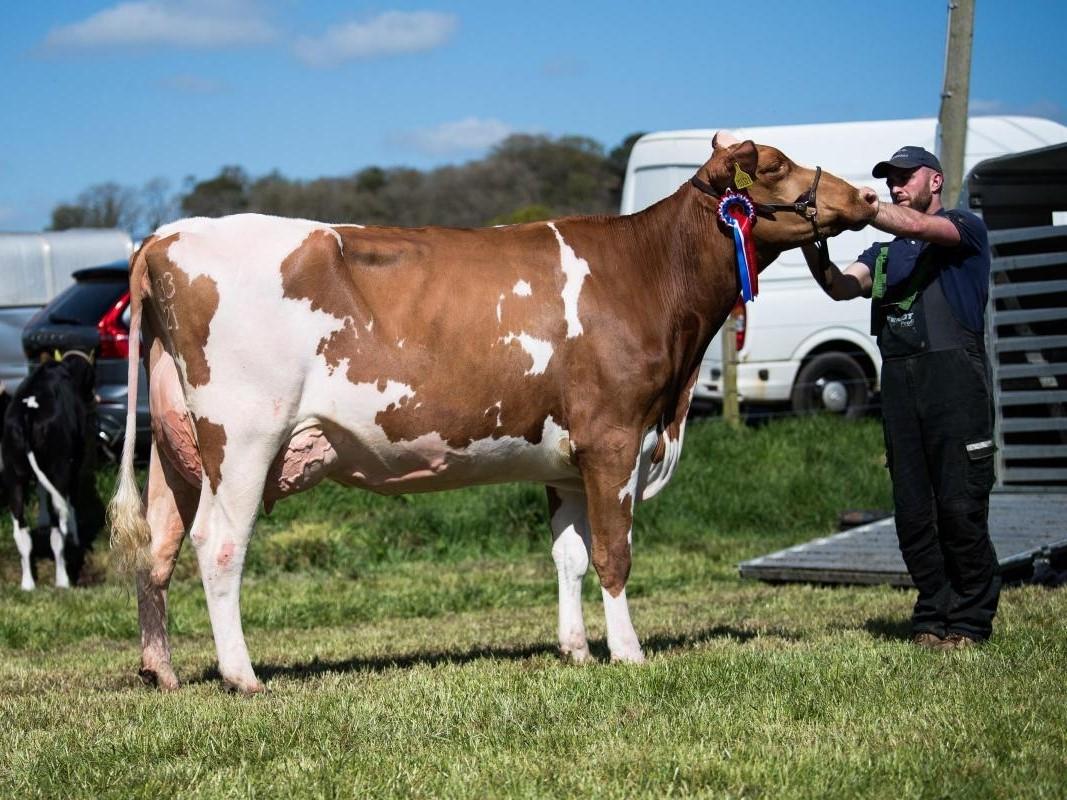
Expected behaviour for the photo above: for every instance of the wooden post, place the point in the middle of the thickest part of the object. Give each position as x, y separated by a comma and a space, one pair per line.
952, 119
731, 411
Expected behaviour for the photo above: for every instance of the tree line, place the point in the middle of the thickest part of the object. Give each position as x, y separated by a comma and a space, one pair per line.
522, 179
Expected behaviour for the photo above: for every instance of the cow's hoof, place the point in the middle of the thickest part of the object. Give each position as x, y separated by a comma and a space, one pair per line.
28, 586
578, 655
630, 657
162, 677
248, 687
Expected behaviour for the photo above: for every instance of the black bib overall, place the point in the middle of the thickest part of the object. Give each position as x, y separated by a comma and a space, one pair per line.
937, 418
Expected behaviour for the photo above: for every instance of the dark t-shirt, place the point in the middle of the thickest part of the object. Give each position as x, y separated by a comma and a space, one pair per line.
963, 269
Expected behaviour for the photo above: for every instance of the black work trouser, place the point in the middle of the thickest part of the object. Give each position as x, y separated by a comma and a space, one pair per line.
933, 406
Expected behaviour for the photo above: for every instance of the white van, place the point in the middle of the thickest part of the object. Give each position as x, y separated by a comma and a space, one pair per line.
801, 349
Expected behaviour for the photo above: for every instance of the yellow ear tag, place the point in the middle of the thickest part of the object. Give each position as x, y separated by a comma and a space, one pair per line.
57, 355
742, 180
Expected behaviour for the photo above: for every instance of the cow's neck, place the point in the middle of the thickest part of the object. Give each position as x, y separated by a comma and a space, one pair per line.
685, 269
690, 266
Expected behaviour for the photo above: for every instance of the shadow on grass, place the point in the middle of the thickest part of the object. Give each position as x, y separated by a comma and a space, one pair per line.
598, 648
889, 628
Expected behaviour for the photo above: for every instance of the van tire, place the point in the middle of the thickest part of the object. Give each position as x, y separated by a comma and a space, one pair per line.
834, 383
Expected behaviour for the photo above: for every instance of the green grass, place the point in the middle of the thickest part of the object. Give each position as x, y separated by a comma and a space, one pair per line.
409, 649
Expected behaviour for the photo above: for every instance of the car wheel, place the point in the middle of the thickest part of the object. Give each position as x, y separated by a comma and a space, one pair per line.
831, 382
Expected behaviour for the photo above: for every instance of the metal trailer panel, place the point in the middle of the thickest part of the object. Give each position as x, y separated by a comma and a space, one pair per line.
35, 267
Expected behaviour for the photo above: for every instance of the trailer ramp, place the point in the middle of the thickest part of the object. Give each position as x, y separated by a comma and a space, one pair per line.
1029, 532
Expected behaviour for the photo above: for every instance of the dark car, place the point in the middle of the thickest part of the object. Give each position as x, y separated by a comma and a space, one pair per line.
93, 315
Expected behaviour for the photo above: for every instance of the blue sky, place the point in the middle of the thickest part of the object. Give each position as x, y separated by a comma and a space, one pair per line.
94, 91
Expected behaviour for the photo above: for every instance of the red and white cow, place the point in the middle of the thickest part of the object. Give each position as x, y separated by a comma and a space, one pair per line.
282, 352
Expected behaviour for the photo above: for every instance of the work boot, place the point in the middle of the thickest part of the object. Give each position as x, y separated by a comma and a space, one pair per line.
931, 641
956, 641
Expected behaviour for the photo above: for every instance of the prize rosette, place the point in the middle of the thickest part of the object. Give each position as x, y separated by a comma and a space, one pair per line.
737, 212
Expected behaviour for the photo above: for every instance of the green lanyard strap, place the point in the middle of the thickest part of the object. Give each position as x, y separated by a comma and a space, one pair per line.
879, 287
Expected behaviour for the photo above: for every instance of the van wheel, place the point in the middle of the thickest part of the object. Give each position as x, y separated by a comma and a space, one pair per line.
831, 382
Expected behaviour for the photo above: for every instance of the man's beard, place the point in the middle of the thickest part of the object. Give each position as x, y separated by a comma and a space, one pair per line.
921, 201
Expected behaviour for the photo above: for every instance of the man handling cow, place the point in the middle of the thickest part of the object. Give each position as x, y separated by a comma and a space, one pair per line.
928, 290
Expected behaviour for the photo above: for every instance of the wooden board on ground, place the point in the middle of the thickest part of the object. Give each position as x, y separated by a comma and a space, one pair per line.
1024, 527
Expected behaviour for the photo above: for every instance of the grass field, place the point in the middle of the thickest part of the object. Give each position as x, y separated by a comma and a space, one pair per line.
409, 649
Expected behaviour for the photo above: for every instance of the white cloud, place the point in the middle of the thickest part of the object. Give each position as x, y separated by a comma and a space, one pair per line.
390, 33
193, 23
448, 138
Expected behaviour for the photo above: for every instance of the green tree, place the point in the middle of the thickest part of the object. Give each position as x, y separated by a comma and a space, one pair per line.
226, 193
535, 212
103, 205
68, 215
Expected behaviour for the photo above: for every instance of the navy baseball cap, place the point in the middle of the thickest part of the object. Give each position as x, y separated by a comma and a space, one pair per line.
907, 157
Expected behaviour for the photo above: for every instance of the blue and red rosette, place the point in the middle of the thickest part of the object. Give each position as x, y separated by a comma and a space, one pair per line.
738, 213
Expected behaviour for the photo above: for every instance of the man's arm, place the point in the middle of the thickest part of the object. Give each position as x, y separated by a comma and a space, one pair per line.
910, 224
854, 281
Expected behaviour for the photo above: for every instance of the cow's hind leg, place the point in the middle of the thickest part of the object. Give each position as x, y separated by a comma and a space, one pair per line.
611, 473
170, 503
570, 551
220, 534
57, 540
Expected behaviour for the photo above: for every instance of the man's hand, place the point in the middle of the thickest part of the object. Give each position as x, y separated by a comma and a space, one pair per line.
853, 281
870, 196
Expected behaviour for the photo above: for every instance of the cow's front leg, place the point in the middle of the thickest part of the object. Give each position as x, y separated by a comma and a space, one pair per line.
170, 504
611, 473
60, 510
570, 551
23, 541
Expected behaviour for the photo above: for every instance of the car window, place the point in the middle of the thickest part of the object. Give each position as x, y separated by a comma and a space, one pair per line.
85, 303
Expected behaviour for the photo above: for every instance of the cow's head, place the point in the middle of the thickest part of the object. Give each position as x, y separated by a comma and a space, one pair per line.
81, 369
777, 180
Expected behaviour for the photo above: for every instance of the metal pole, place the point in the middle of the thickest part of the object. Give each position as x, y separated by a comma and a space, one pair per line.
952, 119
731, 411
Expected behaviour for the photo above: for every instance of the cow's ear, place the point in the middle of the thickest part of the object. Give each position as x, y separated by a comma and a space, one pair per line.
724, 139
747, 156
725, 161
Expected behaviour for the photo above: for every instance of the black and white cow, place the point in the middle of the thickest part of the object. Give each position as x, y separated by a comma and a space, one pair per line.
44, 435
5, 401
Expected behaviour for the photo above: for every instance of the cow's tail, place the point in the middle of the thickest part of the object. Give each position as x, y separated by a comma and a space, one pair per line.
130, 535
